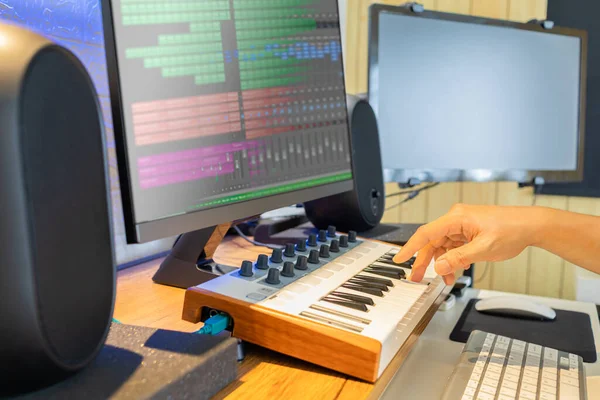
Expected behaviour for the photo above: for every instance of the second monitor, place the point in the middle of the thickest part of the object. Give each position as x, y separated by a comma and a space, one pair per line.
468, 98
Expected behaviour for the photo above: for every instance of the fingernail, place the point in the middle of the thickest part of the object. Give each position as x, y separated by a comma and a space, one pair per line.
443, 267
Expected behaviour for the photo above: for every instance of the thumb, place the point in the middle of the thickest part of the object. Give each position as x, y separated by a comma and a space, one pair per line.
460, 258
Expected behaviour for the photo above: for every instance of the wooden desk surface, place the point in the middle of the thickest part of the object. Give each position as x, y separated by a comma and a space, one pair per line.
264, 373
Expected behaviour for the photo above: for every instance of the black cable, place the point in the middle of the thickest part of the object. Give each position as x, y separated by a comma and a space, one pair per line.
409, 198
401, 193
254, 242
411, 195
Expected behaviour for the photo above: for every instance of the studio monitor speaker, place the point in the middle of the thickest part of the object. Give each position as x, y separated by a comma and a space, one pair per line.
57, 270
362, 208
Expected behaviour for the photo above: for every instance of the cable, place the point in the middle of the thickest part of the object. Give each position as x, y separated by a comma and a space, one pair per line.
537, 189
411, 195
409, 198
214, 325
254, 242
401, 193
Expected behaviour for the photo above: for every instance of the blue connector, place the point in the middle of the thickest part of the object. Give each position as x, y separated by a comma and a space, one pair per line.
214, 325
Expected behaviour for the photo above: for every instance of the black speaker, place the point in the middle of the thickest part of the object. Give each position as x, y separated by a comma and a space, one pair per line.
57, 269
362, 208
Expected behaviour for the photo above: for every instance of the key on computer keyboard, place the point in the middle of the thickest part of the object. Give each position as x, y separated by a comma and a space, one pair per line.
494, 367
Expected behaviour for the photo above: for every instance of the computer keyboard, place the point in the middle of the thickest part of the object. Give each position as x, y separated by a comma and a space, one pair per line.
494, 367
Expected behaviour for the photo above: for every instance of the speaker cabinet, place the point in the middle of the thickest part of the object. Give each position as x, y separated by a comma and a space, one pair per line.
57, 270
362, 208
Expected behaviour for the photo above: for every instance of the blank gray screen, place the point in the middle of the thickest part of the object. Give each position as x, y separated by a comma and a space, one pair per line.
453, 95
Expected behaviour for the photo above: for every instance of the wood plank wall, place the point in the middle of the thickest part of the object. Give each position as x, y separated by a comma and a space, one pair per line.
535, 271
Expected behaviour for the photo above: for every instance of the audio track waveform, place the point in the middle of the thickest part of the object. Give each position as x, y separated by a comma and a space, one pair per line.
198, 54
233, 162
185, 118
262, 30
183, 166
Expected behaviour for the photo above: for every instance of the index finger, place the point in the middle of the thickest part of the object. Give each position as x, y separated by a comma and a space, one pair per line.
426, 234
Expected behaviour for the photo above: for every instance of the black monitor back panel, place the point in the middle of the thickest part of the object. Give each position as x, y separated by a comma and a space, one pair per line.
583, 14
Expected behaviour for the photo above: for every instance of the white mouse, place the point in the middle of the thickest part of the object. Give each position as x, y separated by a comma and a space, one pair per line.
515, 307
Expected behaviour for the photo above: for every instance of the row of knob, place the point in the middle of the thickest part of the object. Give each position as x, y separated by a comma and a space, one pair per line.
314, 256
324, 235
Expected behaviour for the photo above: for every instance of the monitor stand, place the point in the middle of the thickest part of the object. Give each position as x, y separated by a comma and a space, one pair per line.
190, 262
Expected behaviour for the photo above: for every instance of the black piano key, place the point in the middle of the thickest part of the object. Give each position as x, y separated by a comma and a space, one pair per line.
395, 275
390, 262
392, 254
346, 303
373, 292
373, 279
387, 269
354, 297
373, 285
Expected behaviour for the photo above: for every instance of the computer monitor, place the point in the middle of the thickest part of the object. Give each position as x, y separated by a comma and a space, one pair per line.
462, 98
224, 109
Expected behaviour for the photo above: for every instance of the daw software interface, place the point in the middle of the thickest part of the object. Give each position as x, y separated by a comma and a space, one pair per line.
229, 100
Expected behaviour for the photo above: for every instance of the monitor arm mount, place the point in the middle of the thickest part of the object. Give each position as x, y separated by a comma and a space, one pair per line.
411, 183
414, 6
190, 262
537, 183
546, 24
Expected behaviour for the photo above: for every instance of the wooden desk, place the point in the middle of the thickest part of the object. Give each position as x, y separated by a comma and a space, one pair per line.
263, 374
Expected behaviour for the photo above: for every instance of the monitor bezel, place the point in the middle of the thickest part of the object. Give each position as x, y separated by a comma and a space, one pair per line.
175, 225
478, 175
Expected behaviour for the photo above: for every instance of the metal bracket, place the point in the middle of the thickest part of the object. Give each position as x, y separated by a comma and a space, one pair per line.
415, 7
546, 24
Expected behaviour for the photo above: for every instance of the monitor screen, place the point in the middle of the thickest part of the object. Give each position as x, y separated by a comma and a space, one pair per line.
224, 102
457, 95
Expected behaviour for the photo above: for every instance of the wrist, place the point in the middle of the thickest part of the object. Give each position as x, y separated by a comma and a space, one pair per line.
542, 221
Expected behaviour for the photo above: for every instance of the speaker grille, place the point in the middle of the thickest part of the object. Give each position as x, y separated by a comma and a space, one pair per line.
64, 165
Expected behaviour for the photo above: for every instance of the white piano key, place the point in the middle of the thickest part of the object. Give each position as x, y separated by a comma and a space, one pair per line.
331, 321
332, 309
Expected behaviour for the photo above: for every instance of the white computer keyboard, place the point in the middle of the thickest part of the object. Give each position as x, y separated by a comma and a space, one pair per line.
494, 367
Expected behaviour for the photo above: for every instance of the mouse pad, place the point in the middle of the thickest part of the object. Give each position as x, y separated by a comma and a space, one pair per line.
570, 331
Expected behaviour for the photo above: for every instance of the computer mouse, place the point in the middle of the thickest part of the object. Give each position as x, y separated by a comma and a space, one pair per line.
515, 307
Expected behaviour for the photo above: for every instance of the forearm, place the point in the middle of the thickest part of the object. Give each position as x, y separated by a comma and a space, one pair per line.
573, 237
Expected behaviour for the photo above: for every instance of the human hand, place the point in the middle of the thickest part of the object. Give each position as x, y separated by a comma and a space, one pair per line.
469, 234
